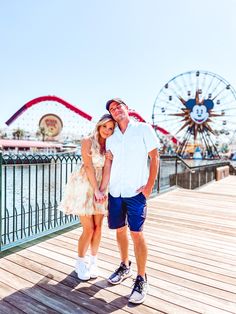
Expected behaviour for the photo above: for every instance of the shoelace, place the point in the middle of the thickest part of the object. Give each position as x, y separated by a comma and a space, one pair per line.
138, 285
120, 270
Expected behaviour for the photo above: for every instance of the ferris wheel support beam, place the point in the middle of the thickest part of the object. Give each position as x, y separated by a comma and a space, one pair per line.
182, 147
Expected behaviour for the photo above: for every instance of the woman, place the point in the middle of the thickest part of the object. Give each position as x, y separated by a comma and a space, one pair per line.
82, 195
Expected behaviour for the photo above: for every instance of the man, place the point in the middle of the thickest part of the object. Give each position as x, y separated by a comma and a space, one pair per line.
130, 185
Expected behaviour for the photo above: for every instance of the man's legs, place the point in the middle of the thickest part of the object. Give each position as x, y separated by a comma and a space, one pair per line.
140, 288
124, 270
123, 244
117, 220
140, 251
136, 211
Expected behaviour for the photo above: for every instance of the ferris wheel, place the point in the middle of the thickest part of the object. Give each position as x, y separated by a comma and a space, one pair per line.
199, 109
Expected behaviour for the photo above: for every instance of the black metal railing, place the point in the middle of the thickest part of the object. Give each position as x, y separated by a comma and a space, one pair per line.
31, 187
191, 174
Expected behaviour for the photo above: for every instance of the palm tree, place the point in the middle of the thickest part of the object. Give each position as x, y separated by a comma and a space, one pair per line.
18, 133
42, 131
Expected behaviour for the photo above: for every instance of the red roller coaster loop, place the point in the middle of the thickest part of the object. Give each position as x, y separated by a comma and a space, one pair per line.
47, 98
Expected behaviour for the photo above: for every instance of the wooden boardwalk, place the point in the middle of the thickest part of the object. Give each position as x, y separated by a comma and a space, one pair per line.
191, 265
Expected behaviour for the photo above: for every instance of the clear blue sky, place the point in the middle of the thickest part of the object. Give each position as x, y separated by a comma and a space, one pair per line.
89, 51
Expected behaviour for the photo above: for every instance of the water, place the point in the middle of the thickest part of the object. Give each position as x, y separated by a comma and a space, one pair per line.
38, 185
29, 185
30, 195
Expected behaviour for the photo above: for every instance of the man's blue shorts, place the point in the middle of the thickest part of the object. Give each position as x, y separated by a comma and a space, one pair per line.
127, 209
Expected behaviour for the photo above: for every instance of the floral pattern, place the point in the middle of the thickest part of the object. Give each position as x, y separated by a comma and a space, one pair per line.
78, 198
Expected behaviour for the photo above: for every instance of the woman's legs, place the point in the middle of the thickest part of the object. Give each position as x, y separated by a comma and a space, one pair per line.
81, 267
96, 237
87, 234
94, 245
91, 235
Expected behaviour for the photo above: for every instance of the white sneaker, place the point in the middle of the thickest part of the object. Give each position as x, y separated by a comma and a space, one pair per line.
82, 270
79, 260
93, 268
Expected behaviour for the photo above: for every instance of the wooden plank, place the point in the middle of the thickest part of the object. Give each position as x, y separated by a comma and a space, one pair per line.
159, 301
19, 302
7, 308
163, 246
39, 293
225, 282
108, 300
202, 265
154, 252
191, 263
106, 266
160, 239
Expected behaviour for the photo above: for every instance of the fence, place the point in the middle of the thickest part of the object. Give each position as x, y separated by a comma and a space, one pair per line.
31, 187
191, 174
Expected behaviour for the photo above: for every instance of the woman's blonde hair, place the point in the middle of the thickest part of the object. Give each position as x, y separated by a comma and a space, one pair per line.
96, 135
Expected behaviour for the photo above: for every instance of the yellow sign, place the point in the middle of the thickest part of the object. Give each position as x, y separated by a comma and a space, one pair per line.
52, 124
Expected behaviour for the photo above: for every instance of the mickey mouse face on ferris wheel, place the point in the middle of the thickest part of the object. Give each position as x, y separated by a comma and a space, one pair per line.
199, 113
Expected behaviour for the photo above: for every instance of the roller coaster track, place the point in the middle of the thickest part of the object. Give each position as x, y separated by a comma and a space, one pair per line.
83, 114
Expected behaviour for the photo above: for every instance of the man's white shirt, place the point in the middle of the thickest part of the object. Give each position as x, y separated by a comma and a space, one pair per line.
130, 150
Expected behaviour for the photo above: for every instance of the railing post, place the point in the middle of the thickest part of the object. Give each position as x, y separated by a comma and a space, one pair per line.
0, 201
190, 180
176, 171
159, 178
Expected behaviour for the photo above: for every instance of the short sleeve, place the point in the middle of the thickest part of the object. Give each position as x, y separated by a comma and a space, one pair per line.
150, 137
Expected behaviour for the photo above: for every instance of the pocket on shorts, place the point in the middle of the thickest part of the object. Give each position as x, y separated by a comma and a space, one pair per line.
142, 196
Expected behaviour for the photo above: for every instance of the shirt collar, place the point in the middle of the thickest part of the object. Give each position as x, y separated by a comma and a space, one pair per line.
130, 124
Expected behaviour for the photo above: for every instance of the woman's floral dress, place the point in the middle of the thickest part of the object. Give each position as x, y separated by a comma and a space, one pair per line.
78, 198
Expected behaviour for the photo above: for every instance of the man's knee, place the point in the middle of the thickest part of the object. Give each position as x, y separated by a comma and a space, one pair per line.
121, 230
137, 236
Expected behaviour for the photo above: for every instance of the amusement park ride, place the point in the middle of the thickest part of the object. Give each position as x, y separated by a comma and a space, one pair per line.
59, 119
198, 108
194, 110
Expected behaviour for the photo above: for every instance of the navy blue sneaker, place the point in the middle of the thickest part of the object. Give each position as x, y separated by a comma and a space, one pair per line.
139, 291
120, 274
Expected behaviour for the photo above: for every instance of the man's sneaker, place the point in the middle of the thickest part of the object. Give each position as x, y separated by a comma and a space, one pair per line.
120, 274
139, 291
82, 270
